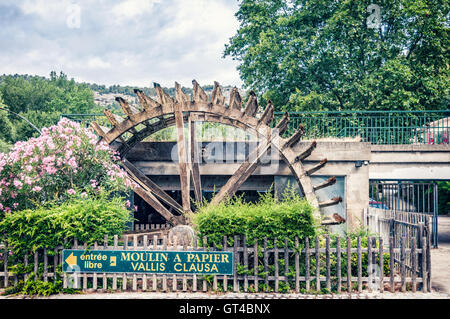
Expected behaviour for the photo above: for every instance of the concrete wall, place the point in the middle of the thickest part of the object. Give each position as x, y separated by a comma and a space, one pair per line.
410, 162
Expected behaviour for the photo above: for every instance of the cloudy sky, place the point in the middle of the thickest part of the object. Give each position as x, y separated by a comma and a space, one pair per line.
127, 42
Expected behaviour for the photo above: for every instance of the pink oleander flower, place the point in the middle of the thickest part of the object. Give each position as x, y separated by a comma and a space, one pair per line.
36, 189
58, 163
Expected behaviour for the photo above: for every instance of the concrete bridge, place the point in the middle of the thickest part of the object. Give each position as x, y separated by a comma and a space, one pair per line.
353, 163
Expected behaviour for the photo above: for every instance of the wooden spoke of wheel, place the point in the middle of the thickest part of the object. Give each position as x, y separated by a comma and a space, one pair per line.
152, 186
182, 158
245, 170
148, 197
195, 161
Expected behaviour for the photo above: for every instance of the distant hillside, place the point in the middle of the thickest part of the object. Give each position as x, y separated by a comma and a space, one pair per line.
104, 96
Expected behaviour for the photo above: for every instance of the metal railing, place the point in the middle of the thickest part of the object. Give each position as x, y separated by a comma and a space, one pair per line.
376, 127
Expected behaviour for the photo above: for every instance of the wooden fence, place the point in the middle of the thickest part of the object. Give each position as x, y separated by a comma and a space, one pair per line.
343, 264
398, 224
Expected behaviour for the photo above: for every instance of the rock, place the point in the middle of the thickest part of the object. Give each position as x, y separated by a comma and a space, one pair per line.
185, 235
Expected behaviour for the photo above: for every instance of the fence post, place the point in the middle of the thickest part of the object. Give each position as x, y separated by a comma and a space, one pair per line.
359, 256
25, 262
36, 265
244, 244
114, 283
286, 261
255, 264
391, 263
225, 277
413, 264
275, 254
369, 264
235, 278
95, 281
5, 264
266, 266
317, 248
428, 254
338, 264
349, 265
327, 254
424, 272
45, 265
307, 264
402, 263
297, 266
124, 278
144, 276
105, 277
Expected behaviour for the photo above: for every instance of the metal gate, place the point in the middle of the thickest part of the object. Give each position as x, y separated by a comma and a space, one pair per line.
409, 197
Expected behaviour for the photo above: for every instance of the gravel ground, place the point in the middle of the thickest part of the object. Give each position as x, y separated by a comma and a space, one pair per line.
440, 258
155, 295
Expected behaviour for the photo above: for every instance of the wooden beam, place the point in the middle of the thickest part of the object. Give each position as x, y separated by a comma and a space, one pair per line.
146, 102
180, 95
243, 172
195, 161
114, 119
163, 97
199, 93
235, 99
182, 158
252, 105
296, 137
152, 186
329, 182
217, 96
267, 116
330, 202
127, 108
307, 152
316, 167
283, 124
156, 204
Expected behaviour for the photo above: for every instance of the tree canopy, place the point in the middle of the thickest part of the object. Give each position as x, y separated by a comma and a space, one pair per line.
328, 55
41, 101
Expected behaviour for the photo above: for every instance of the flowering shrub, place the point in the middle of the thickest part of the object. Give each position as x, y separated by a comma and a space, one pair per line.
64, 161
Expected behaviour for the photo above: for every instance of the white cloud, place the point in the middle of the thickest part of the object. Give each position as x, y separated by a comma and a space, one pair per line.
98, 63
127, 42
132, 8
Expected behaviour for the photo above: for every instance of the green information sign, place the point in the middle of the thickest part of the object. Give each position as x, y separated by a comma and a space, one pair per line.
154, 262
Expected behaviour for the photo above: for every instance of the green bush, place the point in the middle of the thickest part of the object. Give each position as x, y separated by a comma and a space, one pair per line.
88, 220
269, 217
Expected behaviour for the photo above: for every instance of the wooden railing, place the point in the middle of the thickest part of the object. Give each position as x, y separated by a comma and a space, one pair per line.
259, 266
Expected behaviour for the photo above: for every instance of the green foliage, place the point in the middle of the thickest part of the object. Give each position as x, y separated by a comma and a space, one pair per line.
321, 55
33, 288
88, 220
42, 101
269, 217
444, 198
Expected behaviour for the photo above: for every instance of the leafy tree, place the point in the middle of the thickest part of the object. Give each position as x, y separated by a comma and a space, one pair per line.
42, 101
320, 54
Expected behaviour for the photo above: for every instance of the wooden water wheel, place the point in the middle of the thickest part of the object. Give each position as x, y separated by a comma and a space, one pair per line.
166, 111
